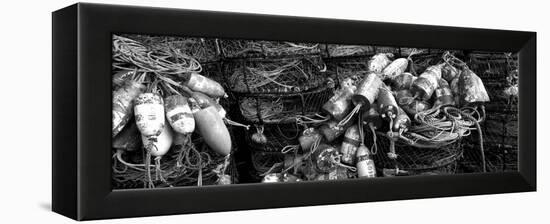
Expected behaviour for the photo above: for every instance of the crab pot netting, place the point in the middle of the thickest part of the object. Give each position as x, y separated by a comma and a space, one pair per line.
499, 72
187, 175
285, 75
282, 108
202, 49
414, 159
277, 135
263, 49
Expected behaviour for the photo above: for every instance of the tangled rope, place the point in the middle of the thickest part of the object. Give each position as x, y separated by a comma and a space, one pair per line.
162, 60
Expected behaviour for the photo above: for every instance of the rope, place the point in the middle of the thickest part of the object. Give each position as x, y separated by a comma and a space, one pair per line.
349, 116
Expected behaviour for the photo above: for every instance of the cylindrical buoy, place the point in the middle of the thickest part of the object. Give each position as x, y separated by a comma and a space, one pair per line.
149, 113
365, 164
324, 157
308, 137
387, 106
339, 105
213, 130
179, 114
367, 91
402, 121
123, 99
403, 81
443, 94
349, 145
378, 62
162, 144
395, 68
199, 83
424, 86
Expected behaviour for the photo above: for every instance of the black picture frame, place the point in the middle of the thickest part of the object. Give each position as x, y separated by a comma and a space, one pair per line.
82, 111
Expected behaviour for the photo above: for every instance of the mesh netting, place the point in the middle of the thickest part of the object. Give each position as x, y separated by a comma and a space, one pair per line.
277, 135
253, 49
337, 50
175, 175
413, 158
278, 108
202, 49
275, 76
499, 72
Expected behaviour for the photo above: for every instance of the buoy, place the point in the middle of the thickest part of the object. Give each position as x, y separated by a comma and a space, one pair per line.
424, 86
365, 164
403, 81
339, 105
443, 94
179, 114
387, 106
149, 114
349, 145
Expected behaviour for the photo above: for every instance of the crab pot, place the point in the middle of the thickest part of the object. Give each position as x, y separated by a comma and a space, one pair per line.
403, 81
339, 105
349, 145
276, 76
387, 104
238, 49
367, 91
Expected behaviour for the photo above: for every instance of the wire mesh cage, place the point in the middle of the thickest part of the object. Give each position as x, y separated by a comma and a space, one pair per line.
287, 75
263, 162
283, 108
202, 49
499, 72
354, 68
263, 49
183, 165
414, 159
339, 50
277, 136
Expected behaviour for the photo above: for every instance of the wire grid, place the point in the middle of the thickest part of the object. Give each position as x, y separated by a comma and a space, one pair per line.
354, 68
202, 49
261, 49
339, 50
277, 135
282, 108
285, 75
498, 72
413, 159
184, 177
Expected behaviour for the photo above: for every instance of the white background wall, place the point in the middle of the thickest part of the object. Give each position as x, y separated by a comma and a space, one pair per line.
25, 114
